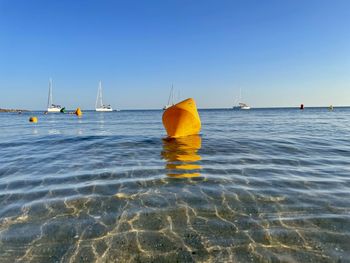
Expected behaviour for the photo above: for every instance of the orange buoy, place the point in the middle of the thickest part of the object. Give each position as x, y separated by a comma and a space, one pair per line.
78, 112
33, 119
182, 119
182, 157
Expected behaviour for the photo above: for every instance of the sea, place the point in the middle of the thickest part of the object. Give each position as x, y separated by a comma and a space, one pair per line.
261, 185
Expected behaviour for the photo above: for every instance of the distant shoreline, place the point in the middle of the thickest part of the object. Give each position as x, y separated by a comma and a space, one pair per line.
159, 109
13, 110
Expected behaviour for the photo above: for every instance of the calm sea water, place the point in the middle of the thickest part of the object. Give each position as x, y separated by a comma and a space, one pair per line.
268, 185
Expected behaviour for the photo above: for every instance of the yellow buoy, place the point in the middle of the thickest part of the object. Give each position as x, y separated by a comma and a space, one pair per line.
182, 119
78, 112
182, 157
33, 119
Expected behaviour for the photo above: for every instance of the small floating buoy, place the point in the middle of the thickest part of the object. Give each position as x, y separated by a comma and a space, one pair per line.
301, 106
330, 107
33, 119
78, 112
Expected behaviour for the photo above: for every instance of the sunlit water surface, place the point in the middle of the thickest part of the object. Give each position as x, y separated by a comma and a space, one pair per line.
269, 185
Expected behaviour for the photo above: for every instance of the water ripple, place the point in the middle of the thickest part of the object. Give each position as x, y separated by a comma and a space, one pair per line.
268, 185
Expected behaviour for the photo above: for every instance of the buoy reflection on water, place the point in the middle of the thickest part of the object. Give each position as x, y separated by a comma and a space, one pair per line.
181, 155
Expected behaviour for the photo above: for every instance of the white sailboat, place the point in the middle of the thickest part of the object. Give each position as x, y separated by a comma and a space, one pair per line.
50, 106
241, 105
170, 99
99, 106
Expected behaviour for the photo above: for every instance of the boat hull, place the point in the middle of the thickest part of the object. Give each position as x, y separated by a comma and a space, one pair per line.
53, 109
241, 108
245, 108
101, 109
182, 119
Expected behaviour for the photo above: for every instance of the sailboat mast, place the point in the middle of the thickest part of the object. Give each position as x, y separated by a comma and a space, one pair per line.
101, 103
49, 99
99, 96
170, 95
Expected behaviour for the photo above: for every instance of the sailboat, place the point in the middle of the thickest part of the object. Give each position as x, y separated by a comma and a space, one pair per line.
170, 99
50, 106
241, 105
99, 104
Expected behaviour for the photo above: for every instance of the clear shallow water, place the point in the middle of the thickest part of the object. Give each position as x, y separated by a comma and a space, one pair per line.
269, 185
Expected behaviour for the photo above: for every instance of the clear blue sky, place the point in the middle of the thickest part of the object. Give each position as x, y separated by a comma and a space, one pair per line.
281, 52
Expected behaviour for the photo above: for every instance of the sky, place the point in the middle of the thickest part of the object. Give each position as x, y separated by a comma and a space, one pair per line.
278, 52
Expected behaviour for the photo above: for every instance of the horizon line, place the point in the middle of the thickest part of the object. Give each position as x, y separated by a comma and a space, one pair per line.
209, 108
